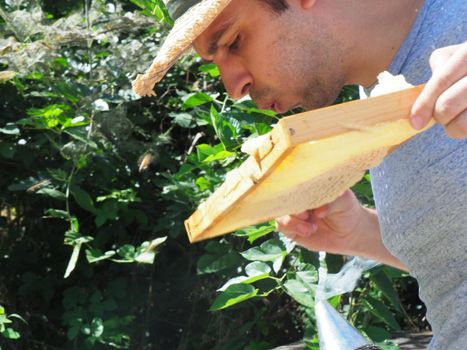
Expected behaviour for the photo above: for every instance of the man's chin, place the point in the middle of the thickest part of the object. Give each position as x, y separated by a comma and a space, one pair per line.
320, 101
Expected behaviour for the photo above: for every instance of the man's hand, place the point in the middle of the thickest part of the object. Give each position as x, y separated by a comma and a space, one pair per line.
331, 228
341, 227
445, 95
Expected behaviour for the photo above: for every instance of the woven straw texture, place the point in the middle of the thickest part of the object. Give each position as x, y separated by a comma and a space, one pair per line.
186, 29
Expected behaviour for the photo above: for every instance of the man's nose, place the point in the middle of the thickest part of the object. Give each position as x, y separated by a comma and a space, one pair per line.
237, 79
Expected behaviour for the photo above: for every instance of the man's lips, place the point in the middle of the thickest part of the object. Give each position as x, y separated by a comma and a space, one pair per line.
274, 105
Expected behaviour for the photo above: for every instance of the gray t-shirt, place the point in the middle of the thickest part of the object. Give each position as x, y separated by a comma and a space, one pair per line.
420, 189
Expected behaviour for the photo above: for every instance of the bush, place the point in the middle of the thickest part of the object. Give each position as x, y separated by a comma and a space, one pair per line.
95, 184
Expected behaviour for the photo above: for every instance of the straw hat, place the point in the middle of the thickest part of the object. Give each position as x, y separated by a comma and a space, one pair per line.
191, 17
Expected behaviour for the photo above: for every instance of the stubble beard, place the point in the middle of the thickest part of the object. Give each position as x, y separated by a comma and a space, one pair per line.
320, 94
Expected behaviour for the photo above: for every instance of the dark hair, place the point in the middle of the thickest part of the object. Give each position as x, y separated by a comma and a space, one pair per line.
277, 6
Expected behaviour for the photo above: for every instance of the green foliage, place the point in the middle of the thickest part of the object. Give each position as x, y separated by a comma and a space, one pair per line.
6, 330
95, 184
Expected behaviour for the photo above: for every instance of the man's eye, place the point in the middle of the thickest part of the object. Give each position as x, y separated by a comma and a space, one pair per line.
235, 44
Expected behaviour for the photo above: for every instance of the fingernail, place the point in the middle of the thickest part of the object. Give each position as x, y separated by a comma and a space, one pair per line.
417, 122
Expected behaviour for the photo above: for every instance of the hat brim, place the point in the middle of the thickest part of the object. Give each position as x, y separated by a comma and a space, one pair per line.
185, 30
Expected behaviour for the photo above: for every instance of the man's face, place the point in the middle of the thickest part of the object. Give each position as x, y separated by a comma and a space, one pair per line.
282, 60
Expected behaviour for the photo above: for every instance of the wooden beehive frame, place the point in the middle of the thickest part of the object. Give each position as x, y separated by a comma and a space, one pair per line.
306, 161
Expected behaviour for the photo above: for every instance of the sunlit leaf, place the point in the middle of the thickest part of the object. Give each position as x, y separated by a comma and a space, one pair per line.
95, 255
300, 291
10, 333
73, 260
253, 233
257, 268
196, 99
51, 192
255, 271
211, 69
234, 294
57, 213
10, 129
267, 251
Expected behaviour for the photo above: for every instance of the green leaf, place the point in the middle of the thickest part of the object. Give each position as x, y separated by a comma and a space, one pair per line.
97, 327
244, 280
385, 285
255, 271
83, 199
146, 253
377, 334
10, 129
72, 332
128, 195
74, 238
308, 277
73, 260
253, 233
10, 333
7, 150
51, 192
127, 252
95, 255
195, 99
57, 213
211, 69
268, 251
80, 135
380, 310
24, 184
388, 345
219, 156
257, 268
234, 294
214, 263
203, 151
18, 317
203, 183
302, 292
216, 247
183, 119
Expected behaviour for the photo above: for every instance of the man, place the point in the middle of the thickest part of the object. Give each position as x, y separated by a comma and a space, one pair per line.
290, 53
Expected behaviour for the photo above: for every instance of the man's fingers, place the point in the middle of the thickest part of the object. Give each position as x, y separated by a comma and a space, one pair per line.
439, 56
291, 226
457, 129
452, 102
303, 215
444, 76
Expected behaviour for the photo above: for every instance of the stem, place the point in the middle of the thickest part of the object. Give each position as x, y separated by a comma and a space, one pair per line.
67, 194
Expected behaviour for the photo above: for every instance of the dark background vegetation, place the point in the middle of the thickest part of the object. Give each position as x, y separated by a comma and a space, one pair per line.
95, 184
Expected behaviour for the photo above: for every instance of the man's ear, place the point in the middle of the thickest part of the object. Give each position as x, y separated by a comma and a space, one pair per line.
307, 4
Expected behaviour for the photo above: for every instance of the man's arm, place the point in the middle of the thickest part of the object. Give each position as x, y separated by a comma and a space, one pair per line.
341, 227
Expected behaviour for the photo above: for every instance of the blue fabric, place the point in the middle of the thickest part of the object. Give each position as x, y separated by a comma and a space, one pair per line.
421, 189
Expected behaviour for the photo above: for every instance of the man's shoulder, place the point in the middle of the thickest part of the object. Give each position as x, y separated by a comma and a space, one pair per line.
439, 24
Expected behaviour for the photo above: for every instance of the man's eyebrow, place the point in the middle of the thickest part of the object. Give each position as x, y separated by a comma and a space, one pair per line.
214, 39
